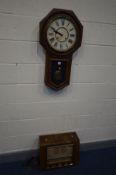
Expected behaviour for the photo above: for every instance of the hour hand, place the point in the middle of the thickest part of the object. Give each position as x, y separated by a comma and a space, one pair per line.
56, 31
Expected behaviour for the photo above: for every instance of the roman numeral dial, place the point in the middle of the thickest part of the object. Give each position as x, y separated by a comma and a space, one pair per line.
61, 34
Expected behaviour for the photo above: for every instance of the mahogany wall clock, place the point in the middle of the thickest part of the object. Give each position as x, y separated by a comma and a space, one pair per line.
60, 35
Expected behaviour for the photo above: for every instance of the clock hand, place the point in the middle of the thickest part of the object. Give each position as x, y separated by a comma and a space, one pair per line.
56, 31
59, 33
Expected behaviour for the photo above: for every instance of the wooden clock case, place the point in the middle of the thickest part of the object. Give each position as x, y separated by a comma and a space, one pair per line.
54, 79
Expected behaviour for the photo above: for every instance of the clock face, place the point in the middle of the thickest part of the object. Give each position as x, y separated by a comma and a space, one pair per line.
61, 34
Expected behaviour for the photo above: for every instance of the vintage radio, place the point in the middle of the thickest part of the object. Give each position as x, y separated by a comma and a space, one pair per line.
59, 150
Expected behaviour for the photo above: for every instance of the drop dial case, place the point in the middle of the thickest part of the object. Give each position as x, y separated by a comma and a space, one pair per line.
60, 35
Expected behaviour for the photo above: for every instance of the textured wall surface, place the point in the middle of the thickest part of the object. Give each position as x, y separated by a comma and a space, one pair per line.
27, 107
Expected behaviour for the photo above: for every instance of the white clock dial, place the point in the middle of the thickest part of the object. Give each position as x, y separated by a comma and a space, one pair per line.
61, 34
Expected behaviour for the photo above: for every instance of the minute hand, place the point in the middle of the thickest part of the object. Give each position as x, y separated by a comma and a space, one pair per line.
56, 31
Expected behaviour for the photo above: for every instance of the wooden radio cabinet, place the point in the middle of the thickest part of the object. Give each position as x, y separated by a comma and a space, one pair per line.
59, 150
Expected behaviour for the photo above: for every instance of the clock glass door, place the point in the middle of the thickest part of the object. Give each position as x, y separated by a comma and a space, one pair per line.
61, 34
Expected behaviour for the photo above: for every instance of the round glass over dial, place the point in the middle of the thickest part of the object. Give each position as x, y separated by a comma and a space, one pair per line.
61, 34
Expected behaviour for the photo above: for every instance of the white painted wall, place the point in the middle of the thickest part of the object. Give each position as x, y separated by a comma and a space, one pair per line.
27, 107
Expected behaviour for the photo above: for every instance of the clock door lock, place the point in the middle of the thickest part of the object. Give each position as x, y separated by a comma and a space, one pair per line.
60, 35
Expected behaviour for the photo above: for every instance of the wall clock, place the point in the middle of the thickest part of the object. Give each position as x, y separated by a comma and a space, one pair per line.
60, 35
